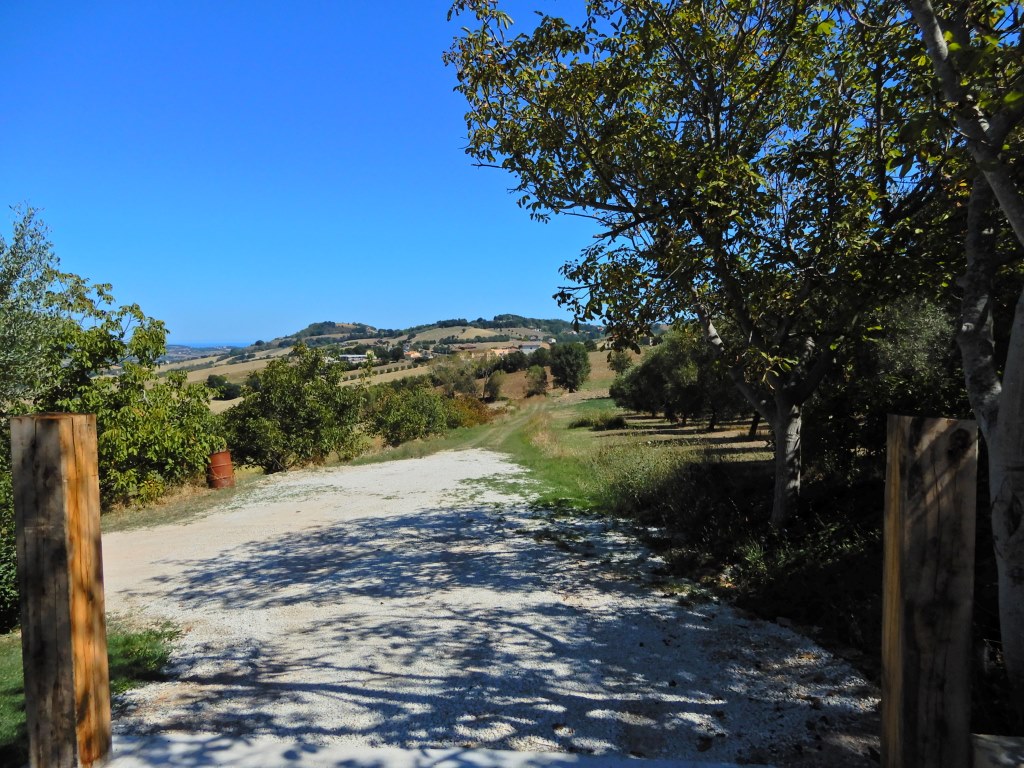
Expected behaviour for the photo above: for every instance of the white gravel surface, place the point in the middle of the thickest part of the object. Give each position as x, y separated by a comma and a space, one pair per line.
412, 604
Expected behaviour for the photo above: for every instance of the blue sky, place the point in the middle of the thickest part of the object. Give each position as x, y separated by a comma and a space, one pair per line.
242, 168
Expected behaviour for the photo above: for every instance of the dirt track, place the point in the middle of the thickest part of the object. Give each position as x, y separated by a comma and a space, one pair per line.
410, 604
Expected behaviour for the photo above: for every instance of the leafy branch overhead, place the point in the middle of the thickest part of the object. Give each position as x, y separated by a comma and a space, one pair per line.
740, 161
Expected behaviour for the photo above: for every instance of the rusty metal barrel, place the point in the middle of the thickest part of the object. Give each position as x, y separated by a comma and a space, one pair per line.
220, 473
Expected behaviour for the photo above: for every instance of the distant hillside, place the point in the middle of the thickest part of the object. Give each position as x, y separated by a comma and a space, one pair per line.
393, 349
178, 352
562, 330
501, 327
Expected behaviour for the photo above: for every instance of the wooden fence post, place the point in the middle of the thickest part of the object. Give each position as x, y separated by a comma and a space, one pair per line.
928, 592
60, 576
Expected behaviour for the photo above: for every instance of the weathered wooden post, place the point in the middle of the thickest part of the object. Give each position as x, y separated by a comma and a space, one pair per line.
60, 575
928, 592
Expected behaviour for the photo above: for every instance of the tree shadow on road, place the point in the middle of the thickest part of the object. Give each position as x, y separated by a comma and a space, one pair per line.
463, 628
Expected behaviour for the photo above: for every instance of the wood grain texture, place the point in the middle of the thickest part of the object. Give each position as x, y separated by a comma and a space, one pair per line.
88, 621
928, 592
56, 497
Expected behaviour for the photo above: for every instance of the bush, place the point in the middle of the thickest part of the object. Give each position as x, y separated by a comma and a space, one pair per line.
222, 388
295, 412
601, 420
541, 357
455, 377
401, 414
8, 556
515, 361
150, 435
469, 412
619, 360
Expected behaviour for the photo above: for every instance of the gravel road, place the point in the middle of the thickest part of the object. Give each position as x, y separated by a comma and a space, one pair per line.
415, 604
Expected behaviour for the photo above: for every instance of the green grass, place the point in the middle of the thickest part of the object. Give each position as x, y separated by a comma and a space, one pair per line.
13, 747
137, 656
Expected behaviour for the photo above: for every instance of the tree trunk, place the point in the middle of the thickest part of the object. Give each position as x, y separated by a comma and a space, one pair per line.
1006, 488
786, 428
1006, 477
754, 422
998, 405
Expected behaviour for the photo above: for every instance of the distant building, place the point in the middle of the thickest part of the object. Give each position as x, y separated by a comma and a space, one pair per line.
354, 359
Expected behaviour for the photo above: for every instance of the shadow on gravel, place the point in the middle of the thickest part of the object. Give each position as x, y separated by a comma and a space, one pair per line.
463, 629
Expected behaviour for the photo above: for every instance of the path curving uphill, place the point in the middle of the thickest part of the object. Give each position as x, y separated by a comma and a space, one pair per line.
412, 604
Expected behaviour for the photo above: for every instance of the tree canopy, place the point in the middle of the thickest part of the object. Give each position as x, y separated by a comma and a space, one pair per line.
570, 365
742, 160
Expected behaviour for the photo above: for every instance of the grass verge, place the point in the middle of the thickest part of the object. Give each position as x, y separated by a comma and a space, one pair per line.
137, 656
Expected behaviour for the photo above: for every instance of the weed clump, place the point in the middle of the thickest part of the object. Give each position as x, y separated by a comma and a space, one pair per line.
602, 420
708, 518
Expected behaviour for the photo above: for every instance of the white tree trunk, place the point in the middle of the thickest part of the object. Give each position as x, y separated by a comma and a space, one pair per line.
1006, 488
1006, 478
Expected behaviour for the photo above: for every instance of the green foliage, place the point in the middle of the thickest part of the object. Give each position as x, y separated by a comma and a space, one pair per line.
680, 378
294, 412
8, 550
536, 381
909, 365
492, 389
541, 357
602, 420
619, 360
26, 269
456, 376
402, 414
761, 195
570, 365
95, 335
468, 412
515, 361
152, 433
222, 388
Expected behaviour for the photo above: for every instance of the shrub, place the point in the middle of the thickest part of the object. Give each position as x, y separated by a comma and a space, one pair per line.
619, 360
601, 420
8, 555
150, 435
222, 388
400, 414
295, 412
469, 412
455, 377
